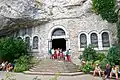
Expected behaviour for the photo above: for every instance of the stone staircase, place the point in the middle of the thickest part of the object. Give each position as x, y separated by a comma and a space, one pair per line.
54, 66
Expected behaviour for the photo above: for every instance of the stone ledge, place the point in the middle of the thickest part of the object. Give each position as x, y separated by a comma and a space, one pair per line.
50, 73
91, 72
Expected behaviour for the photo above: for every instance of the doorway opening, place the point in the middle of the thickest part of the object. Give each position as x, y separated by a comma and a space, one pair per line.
59, 43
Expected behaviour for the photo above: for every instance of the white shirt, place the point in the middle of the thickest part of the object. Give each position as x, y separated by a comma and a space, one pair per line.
52, 51
3, 64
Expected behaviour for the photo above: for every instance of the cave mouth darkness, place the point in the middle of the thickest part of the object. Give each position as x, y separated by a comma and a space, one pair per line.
59, 43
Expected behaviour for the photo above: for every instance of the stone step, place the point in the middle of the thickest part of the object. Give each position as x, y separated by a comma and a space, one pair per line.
52, 73
54, 66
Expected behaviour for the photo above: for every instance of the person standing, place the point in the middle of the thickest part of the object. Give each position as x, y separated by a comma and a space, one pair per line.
61, 54
53, 52
69, 53
50, 53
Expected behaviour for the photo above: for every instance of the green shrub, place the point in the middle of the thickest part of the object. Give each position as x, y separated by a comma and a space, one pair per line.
89, 54
22, 64
114, 55
36, 78
55, 77
103, 63
87, 67
97, 62
100, 56
11, 49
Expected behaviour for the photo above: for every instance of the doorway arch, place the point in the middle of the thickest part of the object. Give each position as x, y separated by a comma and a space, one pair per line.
58, 38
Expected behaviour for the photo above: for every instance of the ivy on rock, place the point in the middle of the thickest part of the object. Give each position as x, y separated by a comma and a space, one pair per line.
106, 8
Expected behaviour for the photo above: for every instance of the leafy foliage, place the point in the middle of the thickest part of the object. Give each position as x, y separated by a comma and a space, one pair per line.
114, 55
22, 64
103, 63
106, 8
36, 78
118, 31
89, 54
97, 62
100, 56
9, 76
55, 77
87, 67
11, 49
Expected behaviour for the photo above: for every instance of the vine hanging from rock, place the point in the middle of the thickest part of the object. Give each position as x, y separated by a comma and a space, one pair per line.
106, 8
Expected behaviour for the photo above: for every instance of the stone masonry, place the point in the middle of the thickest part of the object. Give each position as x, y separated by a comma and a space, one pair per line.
74, 17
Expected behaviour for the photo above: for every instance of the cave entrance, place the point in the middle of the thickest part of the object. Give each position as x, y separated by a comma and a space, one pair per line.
59, 43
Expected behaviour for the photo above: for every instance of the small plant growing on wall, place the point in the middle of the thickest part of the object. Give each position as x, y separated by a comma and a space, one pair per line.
36, 78
9, 76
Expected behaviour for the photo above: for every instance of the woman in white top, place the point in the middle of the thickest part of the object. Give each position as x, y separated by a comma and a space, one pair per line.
114, 70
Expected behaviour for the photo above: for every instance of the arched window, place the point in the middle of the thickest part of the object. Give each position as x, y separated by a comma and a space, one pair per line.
83, 40
27, 40
94, 40
24, 31
35, 42
105, 39
58, 32
19, 38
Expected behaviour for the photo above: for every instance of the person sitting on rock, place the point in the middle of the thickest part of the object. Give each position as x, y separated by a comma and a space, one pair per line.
107, 71
9, 67
114, 71
97, 70
3, 66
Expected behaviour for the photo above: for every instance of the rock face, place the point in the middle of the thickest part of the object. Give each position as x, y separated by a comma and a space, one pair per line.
74, 17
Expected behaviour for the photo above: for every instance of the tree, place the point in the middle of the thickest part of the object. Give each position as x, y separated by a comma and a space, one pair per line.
106, 8
11, 49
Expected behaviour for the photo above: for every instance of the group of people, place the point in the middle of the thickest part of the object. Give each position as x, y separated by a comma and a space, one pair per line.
5, 66
109, 72
60, 54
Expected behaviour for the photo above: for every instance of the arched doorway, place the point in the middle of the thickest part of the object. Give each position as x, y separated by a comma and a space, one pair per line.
58, 39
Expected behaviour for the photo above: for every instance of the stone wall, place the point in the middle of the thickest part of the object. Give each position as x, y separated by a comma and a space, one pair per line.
75, 17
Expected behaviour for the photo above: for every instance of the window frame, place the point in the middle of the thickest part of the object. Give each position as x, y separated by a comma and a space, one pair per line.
92, 41
81, 40
106, 38
33, 43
